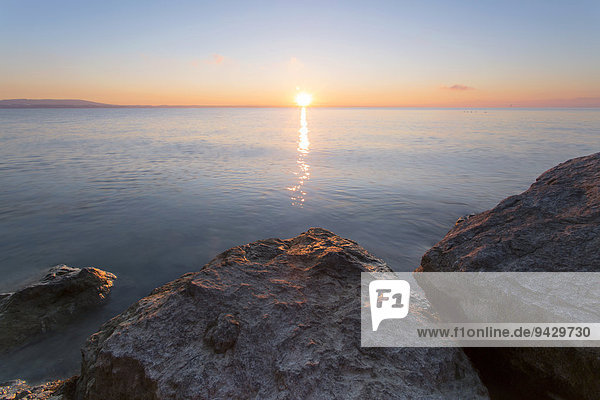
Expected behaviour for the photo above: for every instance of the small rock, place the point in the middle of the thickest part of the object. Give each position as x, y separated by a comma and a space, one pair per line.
463, 218
58, 298
19, 389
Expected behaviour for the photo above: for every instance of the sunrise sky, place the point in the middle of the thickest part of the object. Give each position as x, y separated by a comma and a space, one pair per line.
437, 54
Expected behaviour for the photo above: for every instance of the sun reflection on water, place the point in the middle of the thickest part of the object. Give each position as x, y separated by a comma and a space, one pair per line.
298, 194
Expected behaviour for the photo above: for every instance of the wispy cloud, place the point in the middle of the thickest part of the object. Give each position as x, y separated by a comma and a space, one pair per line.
458, 87
215, 59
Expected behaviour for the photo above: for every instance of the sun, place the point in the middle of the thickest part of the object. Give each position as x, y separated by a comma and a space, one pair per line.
303, 99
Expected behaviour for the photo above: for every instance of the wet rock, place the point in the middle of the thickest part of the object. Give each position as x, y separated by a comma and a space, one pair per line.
49, 304
273, 319
553, 226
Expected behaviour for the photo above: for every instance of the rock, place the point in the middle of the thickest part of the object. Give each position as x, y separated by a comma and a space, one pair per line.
55, 390
553, 226
274, 319
463, 218
49, 304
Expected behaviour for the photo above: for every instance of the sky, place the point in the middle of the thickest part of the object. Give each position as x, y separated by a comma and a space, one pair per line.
345, 53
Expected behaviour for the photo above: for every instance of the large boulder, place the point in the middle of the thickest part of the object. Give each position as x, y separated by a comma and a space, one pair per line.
553, 226
274, 319
58, 298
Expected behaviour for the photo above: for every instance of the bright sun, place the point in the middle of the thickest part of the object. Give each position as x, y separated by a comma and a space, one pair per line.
303, 99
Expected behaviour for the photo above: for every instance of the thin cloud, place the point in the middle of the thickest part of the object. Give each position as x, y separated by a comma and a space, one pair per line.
215, 59
459, 87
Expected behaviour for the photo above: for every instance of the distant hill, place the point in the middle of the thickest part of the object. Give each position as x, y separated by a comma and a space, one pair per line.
52, 103
62, 103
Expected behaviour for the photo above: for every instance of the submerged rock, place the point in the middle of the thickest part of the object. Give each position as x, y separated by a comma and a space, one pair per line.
553, 226
49, 304
273, 319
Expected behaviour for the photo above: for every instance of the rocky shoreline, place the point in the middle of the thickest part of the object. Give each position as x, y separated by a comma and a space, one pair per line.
280, 319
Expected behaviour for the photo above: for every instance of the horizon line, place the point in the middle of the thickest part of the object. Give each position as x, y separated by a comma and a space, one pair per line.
78, 103
292, 106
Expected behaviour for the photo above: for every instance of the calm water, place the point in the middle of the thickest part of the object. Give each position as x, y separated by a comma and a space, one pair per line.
150, 194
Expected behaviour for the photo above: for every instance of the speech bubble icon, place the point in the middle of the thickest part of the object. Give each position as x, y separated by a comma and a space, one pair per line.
389, 300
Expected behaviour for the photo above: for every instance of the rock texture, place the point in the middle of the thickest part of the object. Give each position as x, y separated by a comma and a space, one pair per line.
553, 226
50, 303
274, 319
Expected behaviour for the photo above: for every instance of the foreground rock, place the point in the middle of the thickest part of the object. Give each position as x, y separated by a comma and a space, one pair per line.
274, 319
50, 303
553, 226
55, 390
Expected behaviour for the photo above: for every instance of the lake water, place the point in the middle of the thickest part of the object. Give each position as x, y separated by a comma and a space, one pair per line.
150, 194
